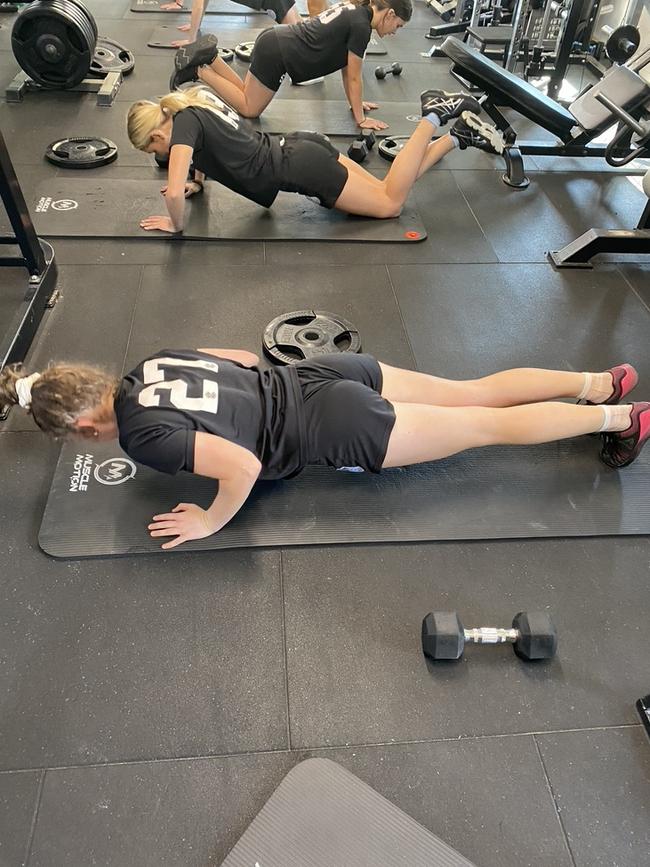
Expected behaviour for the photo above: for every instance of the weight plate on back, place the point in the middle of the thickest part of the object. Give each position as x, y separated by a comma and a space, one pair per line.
53, 41
244, 50
110, 56
81, 152
307, 334
389, 147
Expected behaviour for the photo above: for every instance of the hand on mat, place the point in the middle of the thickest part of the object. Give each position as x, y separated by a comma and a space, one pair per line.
191, 189
185, 28
369, 106
369, 123
179, 43
187, 521
163, 224
170, 7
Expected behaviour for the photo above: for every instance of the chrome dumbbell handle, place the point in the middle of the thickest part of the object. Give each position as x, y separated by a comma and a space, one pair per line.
491, 635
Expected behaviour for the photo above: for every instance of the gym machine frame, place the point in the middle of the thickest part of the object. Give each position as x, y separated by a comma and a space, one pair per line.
36, 256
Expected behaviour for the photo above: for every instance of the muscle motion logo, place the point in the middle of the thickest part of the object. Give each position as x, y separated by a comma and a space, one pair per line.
113, 471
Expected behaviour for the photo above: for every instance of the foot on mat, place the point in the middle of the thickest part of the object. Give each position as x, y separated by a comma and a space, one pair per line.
620, 448
447, 105
471, 132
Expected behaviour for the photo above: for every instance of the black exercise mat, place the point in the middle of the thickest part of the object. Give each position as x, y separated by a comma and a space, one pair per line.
324, 816
100, 503
215, 7
165, 34
75, 208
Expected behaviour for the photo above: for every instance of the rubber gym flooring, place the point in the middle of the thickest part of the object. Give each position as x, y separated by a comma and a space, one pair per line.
150, 705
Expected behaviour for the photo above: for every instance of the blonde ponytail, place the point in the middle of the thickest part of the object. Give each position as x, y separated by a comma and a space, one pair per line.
146, 116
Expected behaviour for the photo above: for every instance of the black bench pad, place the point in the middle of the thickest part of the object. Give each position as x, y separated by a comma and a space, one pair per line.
507, 90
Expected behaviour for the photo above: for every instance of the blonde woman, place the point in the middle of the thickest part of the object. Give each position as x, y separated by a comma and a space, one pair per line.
196, 128
215, 413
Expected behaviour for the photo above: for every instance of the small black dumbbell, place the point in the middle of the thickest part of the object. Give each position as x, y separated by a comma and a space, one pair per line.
533, 635
393, 69
362, 145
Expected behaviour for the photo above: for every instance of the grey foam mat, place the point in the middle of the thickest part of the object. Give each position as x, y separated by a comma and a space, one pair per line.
321, 815
74, 208
558, 489
215, 7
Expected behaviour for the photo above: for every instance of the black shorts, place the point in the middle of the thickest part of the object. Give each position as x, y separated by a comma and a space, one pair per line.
277, 9
310, 166
348, 423
267, 65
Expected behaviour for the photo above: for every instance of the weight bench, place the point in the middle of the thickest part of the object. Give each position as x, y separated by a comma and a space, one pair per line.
622, 93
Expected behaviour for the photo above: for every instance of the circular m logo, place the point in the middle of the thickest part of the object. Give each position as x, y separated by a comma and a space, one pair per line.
114, 471
65, 205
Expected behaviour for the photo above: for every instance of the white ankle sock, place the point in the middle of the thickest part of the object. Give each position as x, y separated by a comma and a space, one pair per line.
586, 388
615, 418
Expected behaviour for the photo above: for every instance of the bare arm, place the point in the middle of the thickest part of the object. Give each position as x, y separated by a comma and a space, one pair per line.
180, 158
236, 469
353, 86
248, 359
198, 7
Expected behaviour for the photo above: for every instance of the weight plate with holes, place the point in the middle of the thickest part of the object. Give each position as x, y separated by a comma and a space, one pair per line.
110, 56
81, 152
226, 54
244, 51
307, 334
54, 41
389, 147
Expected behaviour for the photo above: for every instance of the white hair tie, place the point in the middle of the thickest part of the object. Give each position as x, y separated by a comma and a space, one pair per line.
23, 388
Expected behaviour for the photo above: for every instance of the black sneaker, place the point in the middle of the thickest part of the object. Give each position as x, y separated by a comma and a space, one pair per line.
471, 132
620, 448
447, 105
189, 57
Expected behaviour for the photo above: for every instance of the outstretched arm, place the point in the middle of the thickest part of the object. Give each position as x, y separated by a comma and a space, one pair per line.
180, 157
237, 470
353, 86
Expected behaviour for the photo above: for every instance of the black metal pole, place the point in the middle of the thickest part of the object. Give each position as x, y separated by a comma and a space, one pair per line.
578, 7
19, 216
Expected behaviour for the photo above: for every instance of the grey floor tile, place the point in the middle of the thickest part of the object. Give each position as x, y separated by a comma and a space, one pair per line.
356, 669
638, 276
130, 658
467, 321
231, 308
158, 814
18, 796
211, 254
193, 812
601, 784
523, 225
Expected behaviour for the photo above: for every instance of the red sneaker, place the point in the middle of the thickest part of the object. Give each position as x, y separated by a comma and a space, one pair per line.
620, 448
625, 379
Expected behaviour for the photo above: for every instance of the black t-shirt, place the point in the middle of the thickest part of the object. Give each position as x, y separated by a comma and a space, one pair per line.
228, 149
168, 397
320, 45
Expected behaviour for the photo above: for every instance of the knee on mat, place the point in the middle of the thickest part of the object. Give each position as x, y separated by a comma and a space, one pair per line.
388, 209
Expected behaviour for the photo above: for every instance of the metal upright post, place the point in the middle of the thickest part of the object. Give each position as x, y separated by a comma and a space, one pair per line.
578, 7
19, 217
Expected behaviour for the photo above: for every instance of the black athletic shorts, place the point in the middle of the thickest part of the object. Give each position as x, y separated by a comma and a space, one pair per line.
310, 165
348, 423
267, 65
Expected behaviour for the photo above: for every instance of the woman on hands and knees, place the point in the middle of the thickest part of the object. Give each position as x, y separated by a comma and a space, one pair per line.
215, 413
336, 40
196, 127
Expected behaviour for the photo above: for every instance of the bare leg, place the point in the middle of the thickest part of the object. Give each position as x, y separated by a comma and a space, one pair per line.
249, 97
506, 388
315, 7
365, 195
427, 433
435, 152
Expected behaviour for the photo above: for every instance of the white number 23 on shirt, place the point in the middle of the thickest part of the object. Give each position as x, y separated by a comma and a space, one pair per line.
155, 380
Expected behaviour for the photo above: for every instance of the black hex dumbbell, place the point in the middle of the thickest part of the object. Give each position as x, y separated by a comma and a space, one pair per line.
533, 635
393, 69
362, 145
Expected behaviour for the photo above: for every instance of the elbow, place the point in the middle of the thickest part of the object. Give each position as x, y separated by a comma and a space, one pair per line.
250, 359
